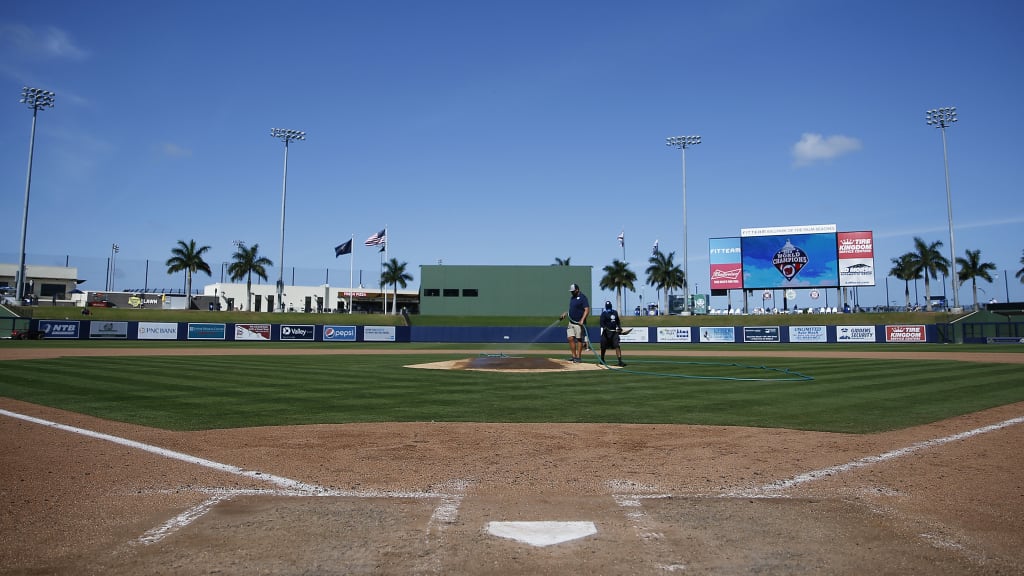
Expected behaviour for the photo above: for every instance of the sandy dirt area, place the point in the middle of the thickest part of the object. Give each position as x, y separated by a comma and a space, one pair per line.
81, 495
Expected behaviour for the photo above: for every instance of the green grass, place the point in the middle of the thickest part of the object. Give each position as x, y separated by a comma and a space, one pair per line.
196, 393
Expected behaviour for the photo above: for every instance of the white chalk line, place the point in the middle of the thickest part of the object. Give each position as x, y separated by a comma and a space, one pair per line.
630, 495
813, 475
445, 513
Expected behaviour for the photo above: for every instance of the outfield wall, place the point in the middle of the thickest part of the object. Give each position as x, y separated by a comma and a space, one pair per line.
250, 332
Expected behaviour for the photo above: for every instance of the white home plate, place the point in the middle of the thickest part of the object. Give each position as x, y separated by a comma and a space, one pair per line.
541, 533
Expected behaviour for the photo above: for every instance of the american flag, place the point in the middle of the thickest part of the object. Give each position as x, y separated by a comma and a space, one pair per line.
622, 239
377, 239
654, 250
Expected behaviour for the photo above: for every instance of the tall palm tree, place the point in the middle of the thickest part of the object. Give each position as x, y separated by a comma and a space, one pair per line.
189, 258
971, 268
560, 262
1020, 273
617, 276
929, 261
664, 274
246, 261
394, 274
903, 269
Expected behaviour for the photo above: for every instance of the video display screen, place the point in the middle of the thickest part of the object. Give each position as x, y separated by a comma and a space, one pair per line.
790, 261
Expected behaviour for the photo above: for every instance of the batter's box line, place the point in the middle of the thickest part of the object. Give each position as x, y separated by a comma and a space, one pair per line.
445, 513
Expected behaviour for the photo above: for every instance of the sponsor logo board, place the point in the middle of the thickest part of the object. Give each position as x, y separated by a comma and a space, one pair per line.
674, 334
905, 333
808, 334
158, 331
111, 330
252, 332
297, 333
717, 334
340, 333
378, 334
59, 328
637, 336
761, 334
206, 331
855, 333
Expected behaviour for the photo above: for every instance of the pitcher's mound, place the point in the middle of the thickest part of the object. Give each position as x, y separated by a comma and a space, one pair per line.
502, 363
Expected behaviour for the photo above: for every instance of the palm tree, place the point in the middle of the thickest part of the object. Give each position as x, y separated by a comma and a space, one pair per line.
394, 274
246, 262
617, 276
903, 269
560, 262
929, 261
1020, 273
664, 274
972, 268
190, 259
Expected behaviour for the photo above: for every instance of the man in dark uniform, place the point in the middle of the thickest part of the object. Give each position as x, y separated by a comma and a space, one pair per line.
579, 309
611, 327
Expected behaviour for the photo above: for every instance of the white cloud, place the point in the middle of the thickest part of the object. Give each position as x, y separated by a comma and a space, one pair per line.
48, 42
814, 147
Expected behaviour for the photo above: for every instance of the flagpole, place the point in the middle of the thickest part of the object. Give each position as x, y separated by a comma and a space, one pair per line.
386, 242
351, 265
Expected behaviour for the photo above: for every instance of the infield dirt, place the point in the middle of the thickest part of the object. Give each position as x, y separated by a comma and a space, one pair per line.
415, 498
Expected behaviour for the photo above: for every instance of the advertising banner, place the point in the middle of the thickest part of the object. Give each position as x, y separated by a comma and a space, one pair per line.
761, 334
855, 333
637, 336
808, 334
717, 334
856, 259
111, 330
59, 328
673, 334
904, 333
158, 331
339, 333
297, 333
207, 331
252, 332
378, 333
726, 264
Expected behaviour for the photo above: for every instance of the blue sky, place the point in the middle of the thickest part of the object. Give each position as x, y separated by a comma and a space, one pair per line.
508, 133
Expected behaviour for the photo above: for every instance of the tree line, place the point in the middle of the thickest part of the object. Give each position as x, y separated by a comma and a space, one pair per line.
247, 262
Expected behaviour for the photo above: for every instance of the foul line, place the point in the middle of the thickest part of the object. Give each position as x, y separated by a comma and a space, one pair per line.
445, 513
869, 460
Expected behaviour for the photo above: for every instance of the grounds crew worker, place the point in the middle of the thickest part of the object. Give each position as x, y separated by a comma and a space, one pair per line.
610, 330
579, 309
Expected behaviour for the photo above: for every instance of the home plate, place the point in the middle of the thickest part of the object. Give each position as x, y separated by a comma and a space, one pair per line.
541, 533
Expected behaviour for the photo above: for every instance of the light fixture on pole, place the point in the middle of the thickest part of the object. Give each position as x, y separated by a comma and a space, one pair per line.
942, 118
37, 100
682, 143
114, 249
287, 136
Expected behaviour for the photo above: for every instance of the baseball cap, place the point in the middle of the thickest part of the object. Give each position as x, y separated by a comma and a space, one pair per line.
608, 304
573, 287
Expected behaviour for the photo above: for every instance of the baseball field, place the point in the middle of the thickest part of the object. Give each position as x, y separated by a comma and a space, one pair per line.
258, 459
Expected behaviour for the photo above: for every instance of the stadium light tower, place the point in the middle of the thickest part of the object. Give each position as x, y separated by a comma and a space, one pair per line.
287, 136
37, 100
942, 118
682, 143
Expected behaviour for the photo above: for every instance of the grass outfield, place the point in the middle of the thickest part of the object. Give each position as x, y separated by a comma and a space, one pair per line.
208, 392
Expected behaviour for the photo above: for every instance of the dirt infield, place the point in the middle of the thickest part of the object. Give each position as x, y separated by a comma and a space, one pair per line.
81, 495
